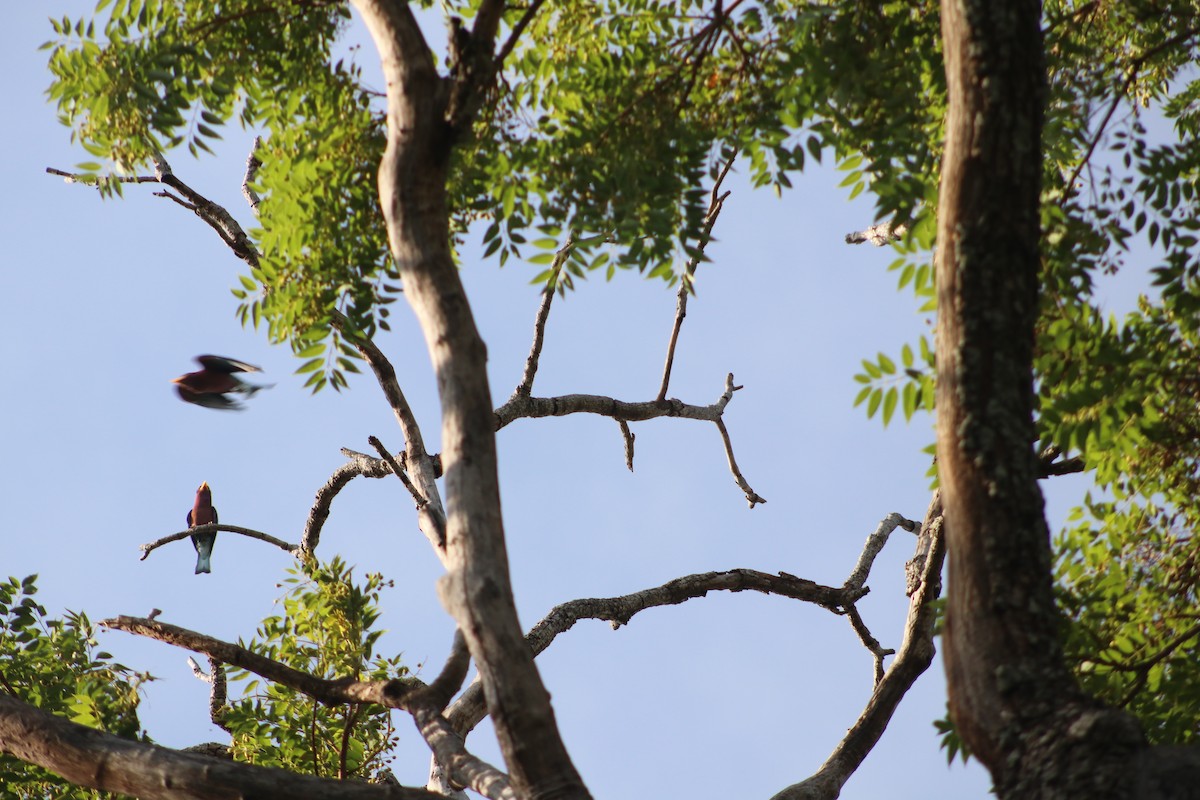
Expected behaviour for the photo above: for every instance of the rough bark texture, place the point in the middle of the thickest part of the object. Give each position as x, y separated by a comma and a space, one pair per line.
1011, 695
98, 760
424, 114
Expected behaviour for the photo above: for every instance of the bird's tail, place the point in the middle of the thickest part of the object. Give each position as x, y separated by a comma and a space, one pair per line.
204, 562
249, 389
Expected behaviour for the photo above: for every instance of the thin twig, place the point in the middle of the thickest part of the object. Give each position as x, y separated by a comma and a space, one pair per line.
213, 527
628, 437
875, 543
752, 497
715, 204
517, 30
359, 464
877, 650
539, 323
252, 165
1134, 67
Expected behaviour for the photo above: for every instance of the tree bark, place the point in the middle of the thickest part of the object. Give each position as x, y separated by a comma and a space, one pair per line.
1011, 695
425, 113
99, 760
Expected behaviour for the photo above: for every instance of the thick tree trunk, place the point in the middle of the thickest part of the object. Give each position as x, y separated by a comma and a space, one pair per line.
476, 590
1013, 699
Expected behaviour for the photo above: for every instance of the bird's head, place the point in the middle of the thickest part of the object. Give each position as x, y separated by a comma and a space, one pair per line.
204, 490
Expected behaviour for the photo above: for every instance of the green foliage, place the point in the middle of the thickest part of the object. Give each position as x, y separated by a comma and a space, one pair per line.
596, 150
54, 664
1128, 575
327, 630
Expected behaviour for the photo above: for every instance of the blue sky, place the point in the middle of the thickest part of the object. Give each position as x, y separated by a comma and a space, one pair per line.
725, 696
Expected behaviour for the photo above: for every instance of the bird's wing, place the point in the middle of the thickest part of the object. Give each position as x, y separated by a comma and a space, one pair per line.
208, 399
189, 519
223, 364
215, 520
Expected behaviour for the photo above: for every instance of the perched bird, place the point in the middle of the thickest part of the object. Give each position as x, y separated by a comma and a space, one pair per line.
203, 513
210, 386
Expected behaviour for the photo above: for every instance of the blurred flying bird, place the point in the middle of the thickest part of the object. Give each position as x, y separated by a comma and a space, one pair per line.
203, 513
209, 386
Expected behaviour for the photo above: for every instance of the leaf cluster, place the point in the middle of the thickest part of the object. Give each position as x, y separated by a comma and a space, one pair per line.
326, 629
54, 665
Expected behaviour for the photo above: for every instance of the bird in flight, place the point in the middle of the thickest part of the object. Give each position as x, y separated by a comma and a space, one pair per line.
210, 387
203, 512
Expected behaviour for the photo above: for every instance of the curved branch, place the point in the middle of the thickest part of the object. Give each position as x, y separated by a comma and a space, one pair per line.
409, 694
98, 760
213, 527
913, 658
468, 710
422, 466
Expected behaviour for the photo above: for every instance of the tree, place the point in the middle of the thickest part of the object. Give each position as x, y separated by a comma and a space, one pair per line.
628, 191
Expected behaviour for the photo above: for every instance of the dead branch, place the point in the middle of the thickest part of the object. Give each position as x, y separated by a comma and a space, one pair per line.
879, 235
217, 696
432, 516
628, 436
398, 470
213, 527
529, 407
875, 543
252, 165
913, 658
469, 709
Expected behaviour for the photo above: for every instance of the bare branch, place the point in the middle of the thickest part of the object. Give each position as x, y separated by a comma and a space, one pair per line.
469, 709
752, 497
517, 30
1048, 465
432, 517
98, 760
878, 652
77, 177
212, 528
912, 659
874, 545
629, 437
539, 322
252, 165
218, 695
715, 204
359, 464
213, 214
389, 694
879, 234
398, 470
451, 678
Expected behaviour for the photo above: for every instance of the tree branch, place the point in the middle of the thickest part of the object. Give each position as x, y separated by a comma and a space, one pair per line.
212, 528
98, 760
469, 710
715, 204
878, 234
431, 515
218, 696
913, 658
409, 694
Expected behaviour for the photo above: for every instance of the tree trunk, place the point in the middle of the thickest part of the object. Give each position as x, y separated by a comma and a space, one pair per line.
476, 590
1012, 698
